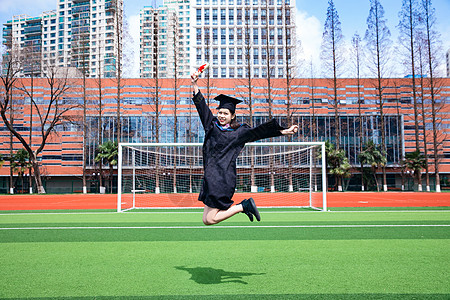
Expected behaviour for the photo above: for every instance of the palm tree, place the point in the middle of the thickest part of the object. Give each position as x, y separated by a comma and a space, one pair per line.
373, 156
20, 163
337, 163
415, 161
108, 151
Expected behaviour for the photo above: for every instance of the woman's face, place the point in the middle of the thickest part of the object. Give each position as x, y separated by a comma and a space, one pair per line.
224, 116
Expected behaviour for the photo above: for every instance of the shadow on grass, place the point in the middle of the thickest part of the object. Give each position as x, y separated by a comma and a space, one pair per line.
216, 276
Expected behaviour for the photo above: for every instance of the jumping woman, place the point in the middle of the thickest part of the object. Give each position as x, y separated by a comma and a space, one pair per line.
224, 140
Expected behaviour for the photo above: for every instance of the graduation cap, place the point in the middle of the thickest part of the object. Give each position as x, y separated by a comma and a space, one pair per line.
227, 102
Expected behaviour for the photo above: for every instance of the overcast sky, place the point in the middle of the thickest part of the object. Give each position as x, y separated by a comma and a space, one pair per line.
310, 18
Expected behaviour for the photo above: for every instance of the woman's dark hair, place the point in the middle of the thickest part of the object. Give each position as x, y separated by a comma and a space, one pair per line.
234, 123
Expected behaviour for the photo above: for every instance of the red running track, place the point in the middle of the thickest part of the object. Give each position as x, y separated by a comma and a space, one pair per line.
335, 199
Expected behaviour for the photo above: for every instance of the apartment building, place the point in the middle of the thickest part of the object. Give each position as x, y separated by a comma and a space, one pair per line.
81, 34
240, 37
237, 37
164, 41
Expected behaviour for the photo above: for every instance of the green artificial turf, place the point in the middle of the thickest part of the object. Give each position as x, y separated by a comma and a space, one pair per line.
131, 256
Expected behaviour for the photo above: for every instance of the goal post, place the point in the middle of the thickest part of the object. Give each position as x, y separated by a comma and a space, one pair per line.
169, 175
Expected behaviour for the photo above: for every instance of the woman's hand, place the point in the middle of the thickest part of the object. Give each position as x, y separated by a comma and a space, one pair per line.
194, 78
291, 130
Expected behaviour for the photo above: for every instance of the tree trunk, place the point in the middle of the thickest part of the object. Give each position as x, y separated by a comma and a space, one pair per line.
37, 176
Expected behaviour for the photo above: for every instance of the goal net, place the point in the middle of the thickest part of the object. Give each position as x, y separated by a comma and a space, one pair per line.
169, 175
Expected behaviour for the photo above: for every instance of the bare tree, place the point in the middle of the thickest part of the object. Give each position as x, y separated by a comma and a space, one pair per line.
247, 95
176, 55
312, 86
99, 83
432, 41
31, 60
268, 57
291, 47
332, 56
378, 43
11, 143
50, 114
398, 106
408, 27
357, 52
80, 56
421, 65
117, 9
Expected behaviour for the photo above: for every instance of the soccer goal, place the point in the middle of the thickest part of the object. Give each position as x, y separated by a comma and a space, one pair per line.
169, 175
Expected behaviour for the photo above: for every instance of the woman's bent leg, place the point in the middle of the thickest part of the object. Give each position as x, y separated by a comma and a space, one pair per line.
213, 216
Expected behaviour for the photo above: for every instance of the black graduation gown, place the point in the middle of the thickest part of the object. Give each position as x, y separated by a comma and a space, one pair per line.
220, 151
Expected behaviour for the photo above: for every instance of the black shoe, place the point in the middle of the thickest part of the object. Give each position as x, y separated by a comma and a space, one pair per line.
249, 214
250, 209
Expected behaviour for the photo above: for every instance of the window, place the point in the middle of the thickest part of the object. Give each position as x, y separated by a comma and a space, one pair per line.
215, 56
255, 16
239, 36
215, 36
199, 36
264, 72
214, 16
239, 72
231, 56
256, 72
223, 56
231, 36
206, 16
263, 16
280, 72
280, 36
255, 36
231, 16
223, 16
256, 56
279, 16
199, 16
239, 16
223, 36
280, 56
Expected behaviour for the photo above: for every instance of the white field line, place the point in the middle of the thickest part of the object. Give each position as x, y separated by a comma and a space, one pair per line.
222, 227
201, 212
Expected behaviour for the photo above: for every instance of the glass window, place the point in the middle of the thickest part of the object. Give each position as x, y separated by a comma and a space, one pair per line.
223, 37
231, 16
199, 16
231, 36
231, 56
256, 72
214, 36
206, 16
223, 56
256, 56
223, 16
280, 72
214, 16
